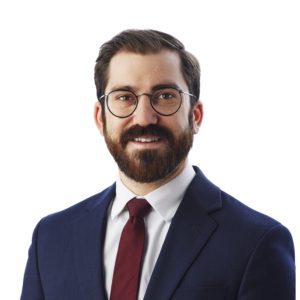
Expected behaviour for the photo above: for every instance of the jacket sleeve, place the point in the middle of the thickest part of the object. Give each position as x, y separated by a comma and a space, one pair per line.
32, 287
270, 273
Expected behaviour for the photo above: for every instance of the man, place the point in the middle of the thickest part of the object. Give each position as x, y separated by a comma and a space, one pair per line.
162, 231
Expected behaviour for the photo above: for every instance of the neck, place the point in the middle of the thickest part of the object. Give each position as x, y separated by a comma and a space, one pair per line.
141, 189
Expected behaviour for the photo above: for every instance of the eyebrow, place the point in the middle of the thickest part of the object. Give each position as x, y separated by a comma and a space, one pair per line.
153, 88
165, 85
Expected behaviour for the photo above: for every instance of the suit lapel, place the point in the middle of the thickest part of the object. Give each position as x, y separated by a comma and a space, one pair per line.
189, 232
89, 234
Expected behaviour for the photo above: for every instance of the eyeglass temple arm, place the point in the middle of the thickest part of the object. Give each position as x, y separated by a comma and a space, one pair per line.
101, 97
188, 94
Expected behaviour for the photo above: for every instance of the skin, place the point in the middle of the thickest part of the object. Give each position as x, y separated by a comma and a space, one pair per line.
142, 73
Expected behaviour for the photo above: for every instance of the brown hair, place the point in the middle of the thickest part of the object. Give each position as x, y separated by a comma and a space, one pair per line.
143, 42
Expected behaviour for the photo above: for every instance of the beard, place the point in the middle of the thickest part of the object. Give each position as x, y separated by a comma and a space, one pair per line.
150, 165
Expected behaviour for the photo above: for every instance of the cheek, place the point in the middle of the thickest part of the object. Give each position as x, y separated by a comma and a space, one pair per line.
184, 115
175, 123
181, 119
114, 126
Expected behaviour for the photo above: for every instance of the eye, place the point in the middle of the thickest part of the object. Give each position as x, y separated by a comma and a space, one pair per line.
166, 96
125, 97
122, 96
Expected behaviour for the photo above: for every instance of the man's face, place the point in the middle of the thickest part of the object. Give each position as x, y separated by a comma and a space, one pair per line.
147, 146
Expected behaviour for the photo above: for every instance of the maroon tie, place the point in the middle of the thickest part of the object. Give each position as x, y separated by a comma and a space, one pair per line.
126, 277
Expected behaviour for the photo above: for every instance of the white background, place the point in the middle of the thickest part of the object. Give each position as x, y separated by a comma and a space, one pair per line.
51, 153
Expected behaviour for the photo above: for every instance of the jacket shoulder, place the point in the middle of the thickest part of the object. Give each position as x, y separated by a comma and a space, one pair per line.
244, 214
246, 225
76, 211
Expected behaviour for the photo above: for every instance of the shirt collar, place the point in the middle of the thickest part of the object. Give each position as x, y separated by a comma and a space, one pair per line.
164, 200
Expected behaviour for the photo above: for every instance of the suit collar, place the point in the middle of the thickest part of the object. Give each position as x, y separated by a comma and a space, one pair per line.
207, 195
191, 228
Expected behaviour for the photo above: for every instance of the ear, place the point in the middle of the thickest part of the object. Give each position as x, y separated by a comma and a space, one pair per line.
198, 116
98, 117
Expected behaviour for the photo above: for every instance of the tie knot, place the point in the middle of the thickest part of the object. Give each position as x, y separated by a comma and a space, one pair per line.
138, 207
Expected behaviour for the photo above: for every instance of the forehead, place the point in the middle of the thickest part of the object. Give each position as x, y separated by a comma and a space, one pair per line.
142, 71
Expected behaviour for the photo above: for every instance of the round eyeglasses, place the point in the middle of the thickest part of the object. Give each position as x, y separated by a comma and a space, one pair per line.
165, 101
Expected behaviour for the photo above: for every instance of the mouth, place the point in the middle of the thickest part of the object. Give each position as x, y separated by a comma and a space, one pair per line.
151, 139
146, 142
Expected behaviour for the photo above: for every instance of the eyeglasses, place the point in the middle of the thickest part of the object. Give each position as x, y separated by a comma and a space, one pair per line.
165, 101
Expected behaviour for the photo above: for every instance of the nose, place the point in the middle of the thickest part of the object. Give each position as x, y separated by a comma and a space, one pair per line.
144, 113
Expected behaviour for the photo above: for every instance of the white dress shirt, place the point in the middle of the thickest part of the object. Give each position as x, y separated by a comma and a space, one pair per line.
164, 201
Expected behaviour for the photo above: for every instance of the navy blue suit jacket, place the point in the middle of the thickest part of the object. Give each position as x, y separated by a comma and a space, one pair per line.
216, 248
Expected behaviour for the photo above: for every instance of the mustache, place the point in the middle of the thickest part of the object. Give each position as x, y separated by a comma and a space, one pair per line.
152, 129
